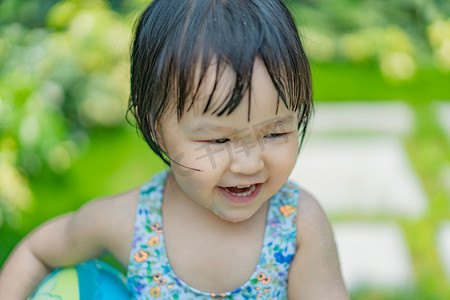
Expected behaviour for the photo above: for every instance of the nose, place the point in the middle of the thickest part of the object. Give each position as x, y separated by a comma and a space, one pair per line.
247, 161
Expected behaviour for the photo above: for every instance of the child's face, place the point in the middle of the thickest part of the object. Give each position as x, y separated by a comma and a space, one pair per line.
232, 151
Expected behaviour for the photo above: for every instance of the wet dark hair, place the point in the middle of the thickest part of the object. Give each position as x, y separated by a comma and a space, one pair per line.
176, 41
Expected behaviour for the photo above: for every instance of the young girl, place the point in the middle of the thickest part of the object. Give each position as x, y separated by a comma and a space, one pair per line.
221, 91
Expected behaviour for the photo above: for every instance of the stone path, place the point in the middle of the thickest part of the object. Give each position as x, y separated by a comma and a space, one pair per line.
393, 117
444, 246
443, 111
355, 163
364, 175
374, 255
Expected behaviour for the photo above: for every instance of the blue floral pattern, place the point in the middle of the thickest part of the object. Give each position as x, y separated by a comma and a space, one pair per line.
150, 274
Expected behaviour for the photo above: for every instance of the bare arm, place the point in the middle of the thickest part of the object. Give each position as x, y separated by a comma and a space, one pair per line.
315, 271
68, 240
51, 245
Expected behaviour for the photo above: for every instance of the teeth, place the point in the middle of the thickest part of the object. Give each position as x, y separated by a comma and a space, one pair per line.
243, 186
246, 193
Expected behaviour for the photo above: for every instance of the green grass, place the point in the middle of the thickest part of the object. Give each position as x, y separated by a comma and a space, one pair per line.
118, 160
338, 82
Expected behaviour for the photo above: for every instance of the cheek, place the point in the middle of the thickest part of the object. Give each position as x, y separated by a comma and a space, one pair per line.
183, 152
207, 158
196, 184
284, 154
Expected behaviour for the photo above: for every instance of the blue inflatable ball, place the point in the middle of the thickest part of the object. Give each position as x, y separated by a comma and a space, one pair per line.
91, 280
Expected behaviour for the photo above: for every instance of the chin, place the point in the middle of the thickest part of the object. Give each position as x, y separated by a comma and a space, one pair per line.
234, 219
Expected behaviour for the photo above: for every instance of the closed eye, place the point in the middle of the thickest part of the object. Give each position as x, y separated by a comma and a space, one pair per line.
275, 135
220, 141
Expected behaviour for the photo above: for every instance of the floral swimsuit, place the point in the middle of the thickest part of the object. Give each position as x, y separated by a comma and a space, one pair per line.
150, 274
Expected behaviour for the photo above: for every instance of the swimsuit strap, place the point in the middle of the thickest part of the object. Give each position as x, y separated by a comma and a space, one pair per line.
149, 270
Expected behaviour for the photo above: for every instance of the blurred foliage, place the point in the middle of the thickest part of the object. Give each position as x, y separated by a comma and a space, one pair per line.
401, 35
64, 69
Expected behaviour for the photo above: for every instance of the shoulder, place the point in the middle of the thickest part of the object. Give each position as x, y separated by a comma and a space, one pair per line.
109, 207
313, 226
101, 225
315, 270
311, 218
110, 220
309, 212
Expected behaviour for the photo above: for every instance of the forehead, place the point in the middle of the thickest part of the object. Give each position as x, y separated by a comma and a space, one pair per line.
260, 105
213, 91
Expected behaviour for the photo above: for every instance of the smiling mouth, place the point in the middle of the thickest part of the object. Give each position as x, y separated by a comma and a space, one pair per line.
242, 191
241, 194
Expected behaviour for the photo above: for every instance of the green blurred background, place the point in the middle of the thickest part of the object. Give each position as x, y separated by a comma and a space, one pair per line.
64, 84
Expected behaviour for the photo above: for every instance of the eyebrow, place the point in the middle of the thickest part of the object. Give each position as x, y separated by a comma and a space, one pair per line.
271, 123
